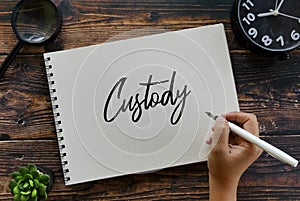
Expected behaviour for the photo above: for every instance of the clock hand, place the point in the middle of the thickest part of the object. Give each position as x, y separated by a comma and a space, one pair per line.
289, 16
276, 12
279, 6
276, 5
272, 12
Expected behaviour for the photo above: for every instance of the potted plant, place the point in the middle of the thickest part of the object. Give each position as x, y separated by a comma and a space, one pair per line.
30, 183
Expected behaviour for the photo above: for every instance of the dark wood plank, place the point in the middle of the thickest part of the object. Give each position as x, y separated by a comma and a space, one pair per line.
91, 22
270, 89
24, 100
266, 178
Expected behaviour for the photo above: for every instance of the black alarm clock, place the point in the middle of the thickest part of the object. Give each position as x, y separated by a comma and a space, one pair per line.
270, 27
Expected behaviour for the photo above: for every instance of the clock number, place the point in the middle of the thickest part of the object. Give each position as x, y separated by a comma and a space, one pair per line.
252, 32
281, 40
295, 35
266, 40
250, 18
250, 2
247, 4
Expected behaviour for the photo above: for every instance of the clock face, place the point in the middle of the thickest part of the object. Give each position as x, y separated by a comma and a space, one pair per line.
271, 25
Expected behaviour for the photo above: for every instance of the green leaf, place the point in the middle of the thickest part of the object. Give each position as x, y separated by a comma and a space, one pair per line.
42, 189
23, 171
32, 167
31, 183
19, 184
34, 193
24, 197
12, 184
15, 174
44, 178
16, 190
18, 178
20, 187
26, 192
28, 176
26, 185
17, 197
33, 199
35, 174
36, 183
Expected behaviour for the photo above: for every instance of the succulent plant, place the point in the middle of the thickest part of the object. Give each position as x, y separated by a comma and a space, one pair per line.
29, 184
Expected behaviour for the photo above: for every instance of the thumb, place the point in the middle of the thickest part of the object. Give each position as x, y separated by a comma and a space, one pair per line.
221, 134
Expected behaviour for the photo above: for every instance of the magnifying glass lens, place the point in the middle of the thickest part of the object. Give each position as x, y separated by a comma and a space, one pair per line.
36, 21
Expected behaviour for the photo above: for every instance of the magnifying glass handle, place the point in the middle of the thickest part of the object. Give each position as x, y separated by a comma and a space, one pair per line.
8, 60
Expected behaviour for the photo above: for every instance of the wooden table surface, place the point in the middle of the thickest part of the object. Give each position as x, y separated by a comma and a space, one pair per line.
268, 87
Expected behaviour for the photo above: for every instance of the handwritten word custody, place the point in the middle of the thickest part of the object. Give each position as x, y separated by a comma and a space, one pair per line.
137, 103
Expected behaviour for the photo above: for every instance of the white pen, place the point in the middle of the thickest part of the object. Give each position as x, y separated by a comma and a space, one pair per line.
270, 149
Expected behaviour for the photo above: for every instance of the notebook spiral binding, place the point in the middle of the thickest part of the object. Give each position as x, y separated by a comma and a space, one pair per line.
56, 114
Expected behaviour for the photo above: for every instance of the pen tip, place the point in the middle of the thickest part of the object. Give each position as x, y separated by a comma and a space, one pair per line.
211, 115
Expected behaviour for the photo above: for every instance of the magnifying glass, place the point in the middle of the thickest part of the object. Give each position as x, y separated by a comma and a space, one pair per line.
34, 22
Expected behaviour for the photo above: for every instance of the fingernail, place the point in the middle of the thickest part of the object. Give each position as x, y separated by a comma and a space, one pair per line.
209, 140
219, 124
220, 120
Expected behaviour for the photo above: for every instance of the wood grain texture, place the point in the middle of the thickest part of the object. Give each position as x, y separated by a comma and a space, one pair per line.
267, 87
260, 182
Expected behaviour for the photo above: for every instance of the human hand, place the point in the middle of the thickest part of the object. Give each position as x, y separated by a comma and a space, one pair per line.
231, 155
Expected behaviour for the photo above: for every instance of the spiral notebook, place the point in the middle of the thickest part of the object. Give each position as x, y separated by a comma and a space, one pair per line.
138, 105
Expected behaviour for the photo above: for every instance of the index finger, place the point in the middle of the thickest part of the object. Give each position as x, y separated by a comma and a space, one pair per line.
249, 121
